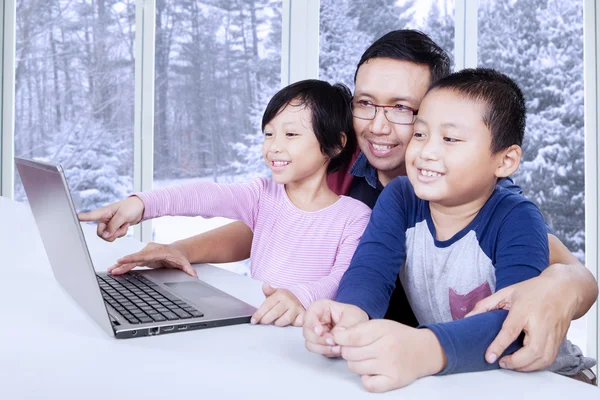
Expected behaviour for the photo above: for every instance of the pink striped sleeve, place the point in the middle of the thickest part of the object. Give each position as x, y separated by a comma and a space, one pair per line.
326, 287
206, 199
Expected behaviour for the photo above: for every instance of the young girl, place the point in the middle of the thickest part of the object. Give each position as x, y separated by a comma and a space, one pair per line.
304, 234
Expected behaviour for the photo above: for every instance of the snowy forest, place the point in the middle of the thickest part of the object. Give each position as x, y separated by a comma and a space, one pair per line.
217, 62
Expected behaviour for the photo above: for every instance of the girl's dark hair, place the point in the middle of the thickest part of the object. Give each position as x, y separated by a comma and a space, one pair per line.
331, 115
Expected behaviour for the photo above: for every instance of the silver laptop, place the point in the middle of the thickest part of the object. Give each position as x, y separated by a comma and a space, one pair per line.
139, 303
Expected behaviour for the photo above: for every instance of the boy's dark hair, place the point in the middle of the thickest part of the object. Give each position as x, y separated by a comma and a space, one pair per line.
505, 115
409, 45
331, 115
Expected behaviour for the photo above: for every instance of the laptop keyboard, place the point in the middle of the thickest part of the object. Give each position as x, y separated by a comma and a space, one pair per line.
140, 300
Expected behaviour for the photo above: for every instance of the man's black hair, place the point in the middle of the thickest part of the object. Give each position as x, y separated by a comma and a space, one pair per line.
505, 114
409, 45
331, 115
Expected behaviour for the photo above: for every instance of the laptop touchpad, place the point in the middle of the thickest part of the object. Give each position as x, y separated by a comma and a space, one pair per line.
194, 290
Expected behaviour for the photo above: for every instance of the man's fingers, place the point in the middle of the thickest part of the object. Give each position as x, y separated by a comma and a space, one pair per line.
377, 383
495, 301
511, 329
188, 269
122, 268
535, 355
361, 334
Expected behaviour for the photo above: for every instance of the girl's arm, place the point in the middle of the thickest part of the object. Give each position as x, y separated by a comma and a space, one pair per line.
206, 199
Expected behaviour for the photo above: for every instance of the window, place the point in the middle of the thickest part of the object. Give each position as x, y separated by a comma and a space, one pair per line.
347, 30
540, 45
74, 94
216, 68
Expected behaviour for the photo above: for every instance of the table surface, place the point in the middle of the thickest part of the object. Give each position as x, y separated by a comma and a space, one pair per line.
50, 349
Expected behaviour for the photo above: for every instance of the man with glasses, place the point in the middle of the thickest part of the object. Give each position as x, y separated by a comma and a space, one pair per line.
391, 80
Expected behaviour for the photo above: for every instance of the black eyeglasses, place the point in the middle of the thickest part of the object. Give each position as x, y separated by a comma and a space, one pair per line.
398, 114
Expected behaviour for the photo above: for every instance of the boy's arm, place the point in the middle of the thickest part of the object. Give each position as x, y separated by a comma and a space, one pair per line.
327, 287
521, 254
369, 281
229, 243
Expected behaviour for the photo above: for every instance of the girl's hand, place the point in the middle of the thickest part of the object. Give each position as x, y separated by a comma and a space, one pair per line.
154, 255
281, 307
115, 219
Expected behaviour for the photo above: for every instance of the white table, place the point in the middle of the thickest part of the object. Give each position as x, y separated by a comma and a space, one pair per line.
49, 349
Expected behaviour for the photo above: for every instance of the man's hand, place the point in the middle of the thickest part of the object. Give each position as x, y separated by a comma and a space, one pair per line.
388, 355
115, 219
321, 318
280, 307
154, 255
536, 309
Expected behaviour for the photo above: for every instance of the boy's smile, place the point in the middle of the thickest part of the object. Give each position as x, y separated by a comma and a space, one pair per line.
449, 159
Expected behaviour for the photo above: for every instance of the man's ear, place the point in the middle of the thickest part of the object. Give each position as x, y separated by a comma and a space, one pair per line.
509, 161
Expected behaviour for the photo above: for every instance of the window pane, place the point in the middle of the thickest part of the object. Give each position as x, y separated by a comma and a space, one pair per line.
75, 94
216, 68
539, 43
346, 30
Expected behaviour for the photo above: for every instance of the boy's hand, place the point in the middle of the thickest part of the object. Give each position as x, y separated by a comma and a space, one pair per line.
115, 219
321, 318
154, 255
281, 307
388, 355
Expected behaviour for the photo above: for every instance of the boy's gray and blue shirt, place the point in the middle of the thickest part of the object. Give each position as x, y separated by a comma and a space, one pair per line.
506, 243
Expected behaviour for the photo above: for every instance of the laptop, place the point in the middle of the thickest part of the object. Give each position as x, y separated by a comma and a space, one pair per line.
139, 303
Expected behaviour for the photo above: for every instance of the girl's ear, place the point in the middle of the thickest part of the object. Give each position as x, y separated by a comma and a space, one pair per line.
340, 149
344, 139
509, 161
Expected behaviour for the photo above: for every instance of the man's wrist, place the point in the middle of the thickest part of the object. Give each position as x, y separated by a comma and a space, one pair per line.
565, 281
182, 246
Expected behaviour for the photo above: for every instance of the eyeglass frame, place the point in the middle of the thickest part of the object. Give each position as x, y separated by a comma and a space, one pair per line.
377, 107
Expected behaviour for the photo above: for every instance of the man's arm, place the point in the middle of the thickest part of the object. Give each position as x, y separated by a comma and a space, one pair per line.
229, 243
566, 268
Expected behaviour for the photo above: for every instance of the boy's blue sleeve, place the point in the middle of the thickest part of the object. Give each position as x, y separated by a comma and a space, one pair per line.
369, 281
509, 184
521, 253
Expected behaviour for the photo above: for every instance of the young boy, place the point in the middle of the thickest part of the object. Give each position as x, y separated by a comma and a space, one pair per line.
453, 236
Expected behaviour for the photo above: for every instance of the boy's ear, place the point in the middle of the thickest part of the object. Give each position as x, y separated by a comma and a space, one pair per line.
509, 161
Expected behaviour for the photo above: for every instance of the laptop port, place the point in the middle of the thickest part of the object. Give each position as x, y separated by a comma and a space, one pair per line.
133, 333
182, 327
153, 331
168, 328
